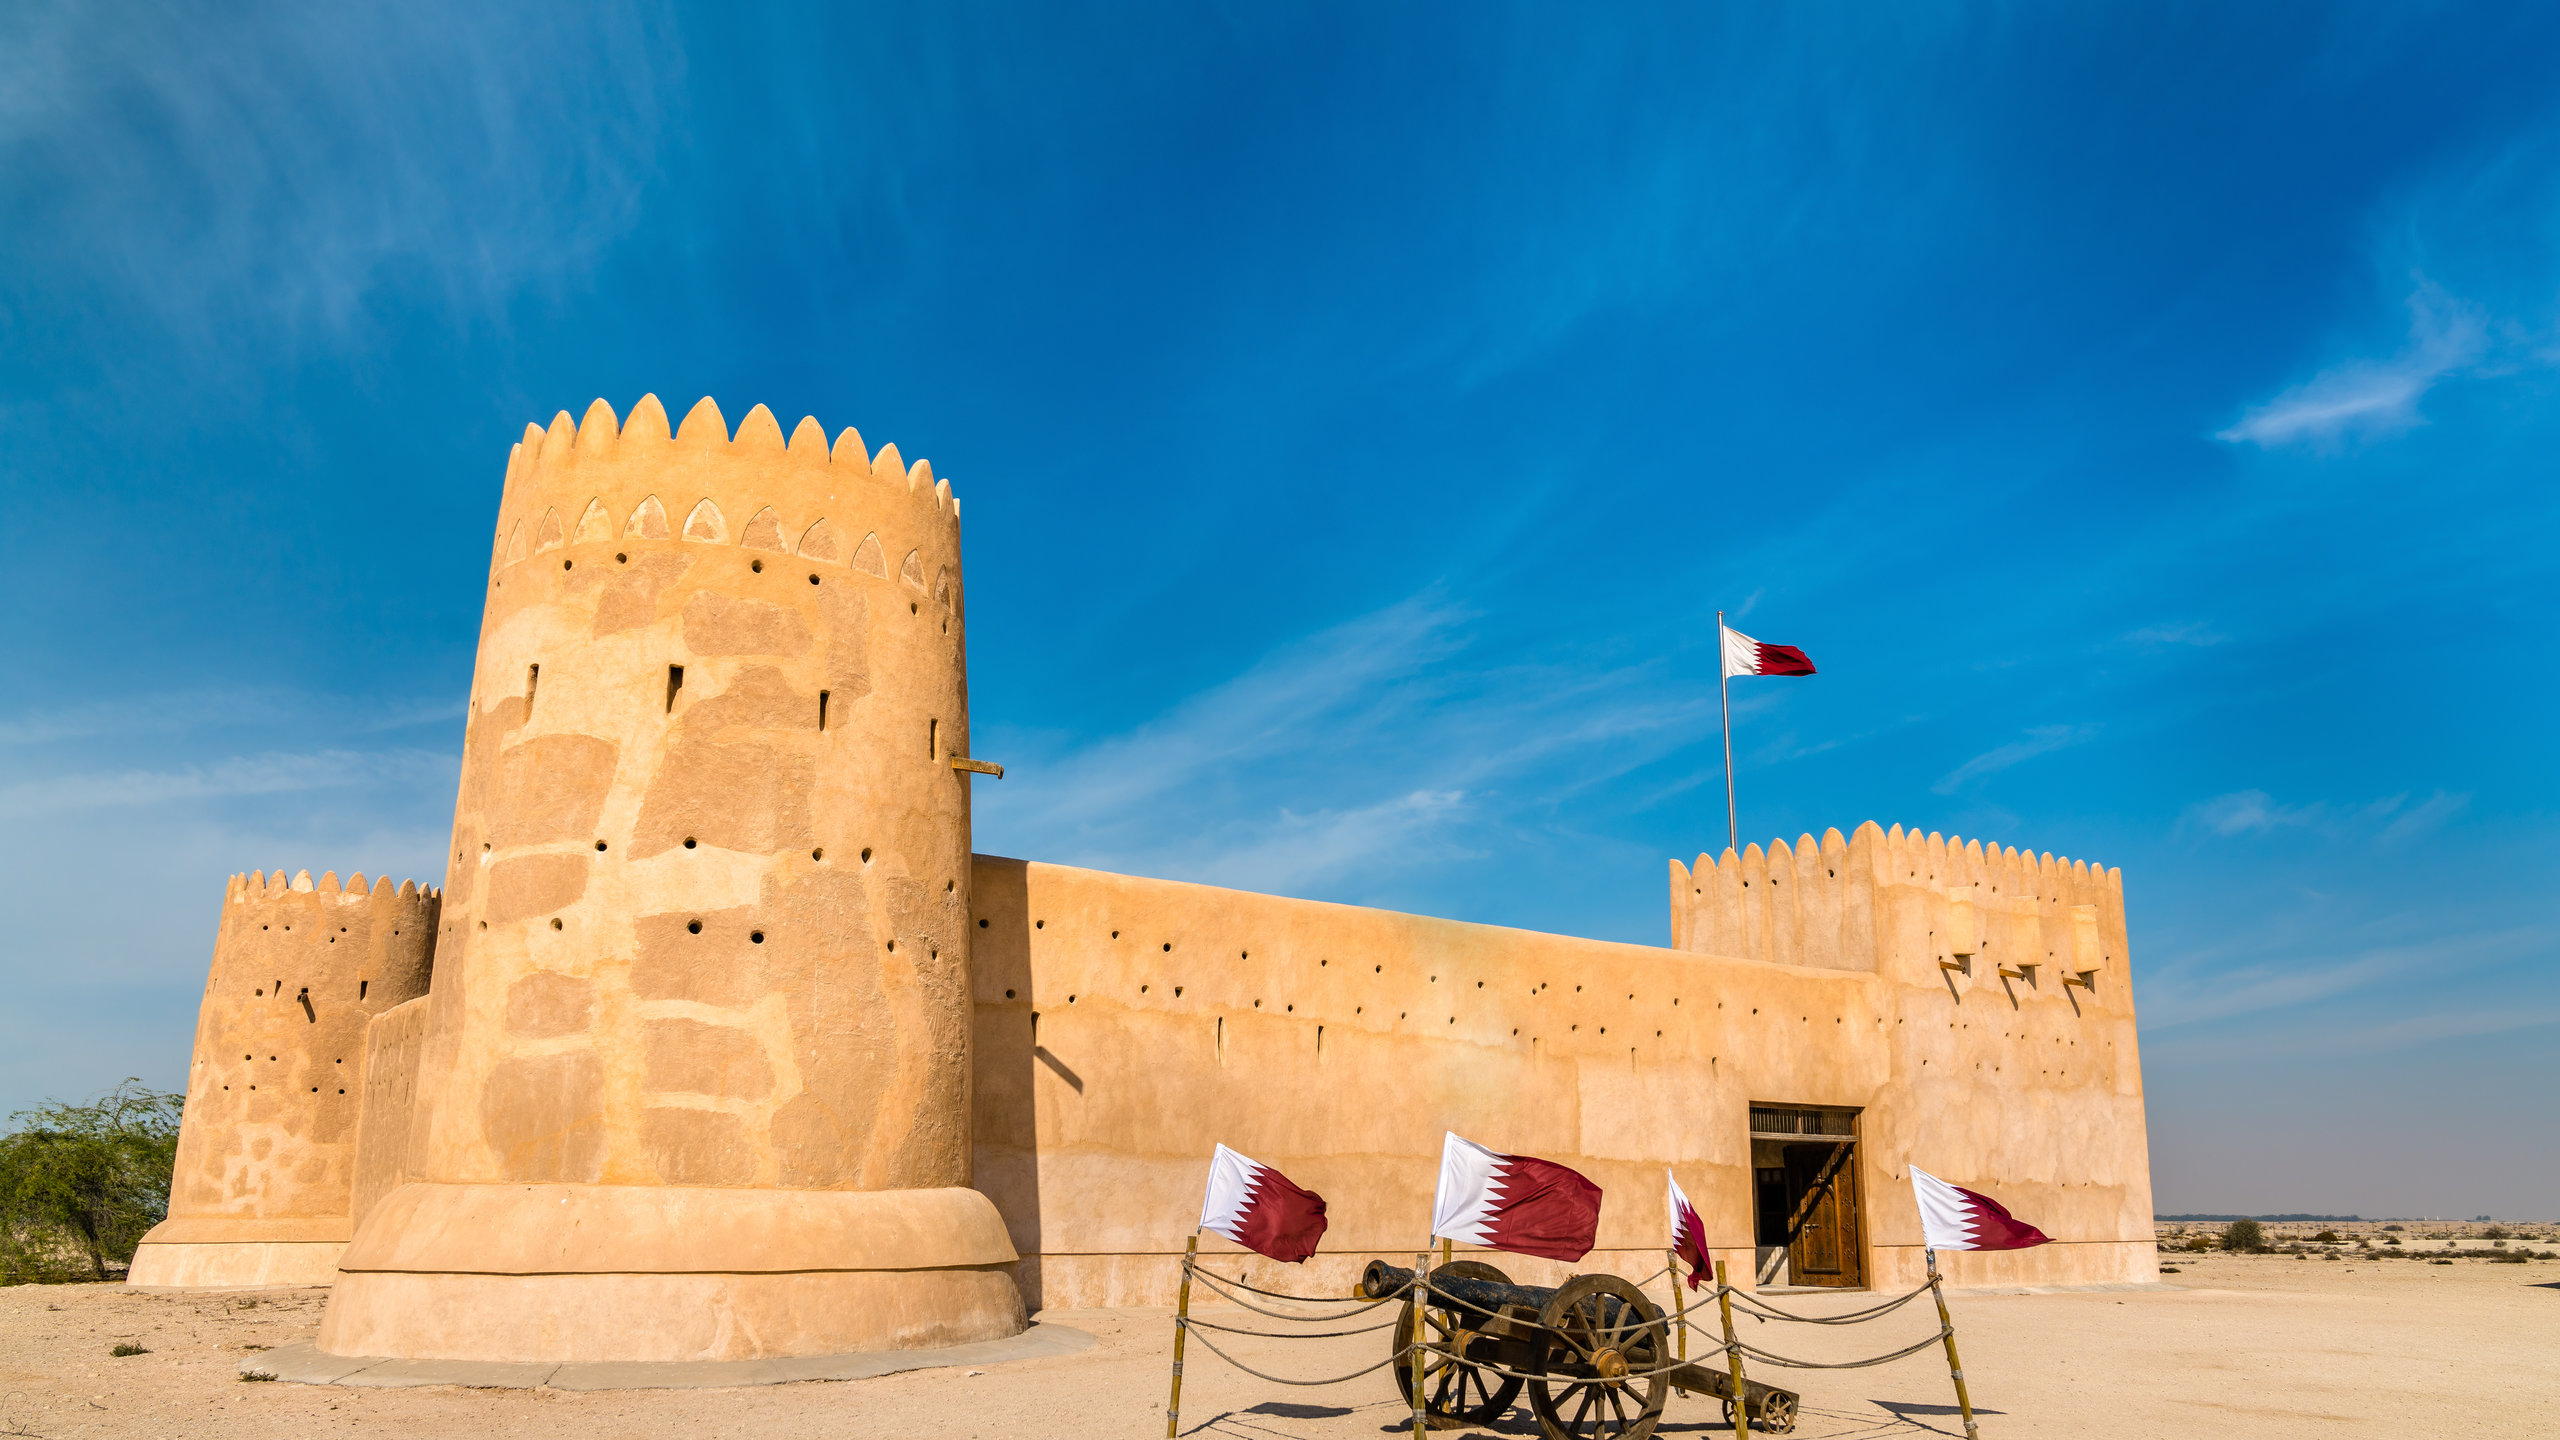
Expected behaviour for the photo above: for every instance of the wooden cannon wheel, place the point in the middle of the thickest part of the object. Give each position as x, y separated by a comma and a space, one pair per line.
1455, 1393
1775, 1415
1601, 1340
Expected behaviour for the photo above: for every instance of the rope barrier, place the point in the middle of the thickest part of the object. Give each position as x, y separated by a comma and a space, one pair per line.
1393, 1359
1757, 1353
1753, 1302
1424, 1293
1196, 1323
1216, 1283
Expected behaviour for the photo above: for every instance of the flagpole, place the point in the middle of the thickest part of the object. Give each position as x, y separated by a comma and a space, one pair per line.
1724, 694
1947, 1332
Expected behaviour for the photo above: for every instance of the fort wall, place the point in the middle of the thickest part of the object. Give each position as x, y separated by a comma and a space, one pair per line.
263, 1189
700, 1009
1127, 1025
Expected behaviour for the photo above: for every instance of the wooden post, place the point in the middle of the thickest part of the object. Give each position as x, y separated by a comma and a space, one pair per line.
1947, 1331
1733, 1358
1679, 1306
1447, 1248
1421, 1323
1181, 1332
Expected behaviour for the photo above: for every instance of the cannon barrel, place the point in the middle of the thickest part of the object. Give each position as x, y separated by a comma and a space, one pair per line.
1381, 1281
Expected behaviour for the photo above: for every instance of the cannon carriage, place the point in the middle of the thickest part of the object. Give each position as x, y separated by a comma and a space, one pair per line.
1593, 1354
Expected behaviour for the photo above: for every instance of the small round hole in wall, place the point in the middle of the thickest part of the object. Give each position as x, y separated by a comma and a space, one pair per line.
982, 924
1008, 994
1039, 924
755, 937
950, 885
1177, 992
893, 947
599, 847
911, 607
484, 924
1168, 947
1115, 934
563, 565
688, 842
555, 924
1142, 989
693, 927
1071, 999
813, 579
818, 854
866, 854
756, 565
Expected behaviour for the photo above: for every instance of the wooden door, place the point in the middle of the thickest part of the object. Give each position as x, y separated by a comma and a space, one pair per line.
1826, 1249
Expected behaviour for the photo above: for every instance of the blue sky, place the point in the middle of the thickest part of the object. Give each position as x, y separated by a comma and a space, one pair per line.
2143, 414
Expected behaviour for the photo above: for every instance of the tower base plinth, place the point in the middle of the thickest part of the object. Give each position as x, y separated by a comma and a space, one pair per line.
223, 1253
576, 1273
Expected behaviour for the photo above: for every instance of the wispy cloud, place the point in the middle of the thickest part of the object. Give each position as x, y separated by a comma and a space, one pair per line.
2194, 632
2373, 398
271, 164
2042, 740
1351, 754
2390, 820
2194, 989
242, 775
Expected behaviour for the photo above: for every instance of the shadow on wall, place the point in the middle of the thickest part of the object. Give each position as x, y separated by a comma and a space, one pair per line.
1005, 1145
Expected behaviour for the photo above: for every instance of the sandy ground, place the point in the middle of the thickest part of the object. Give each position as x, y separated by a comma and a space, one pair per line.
2267, 1346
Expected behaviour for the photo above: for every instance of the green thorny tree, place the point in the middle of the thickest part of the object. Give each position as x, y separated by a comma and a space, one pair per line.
82, 1183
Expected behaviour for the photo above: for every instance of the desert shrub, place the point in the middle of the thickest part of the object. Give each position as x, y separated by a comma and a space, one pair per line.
2495, 1232
2199, 1242
2509, 1257
2327, 1237
80, 1184
2393, 1228
2390, 1239
2244, 1237
127, 1349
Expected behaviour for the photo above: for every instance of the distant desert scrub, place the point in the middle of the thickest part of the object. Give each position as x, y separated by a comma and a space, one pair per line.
2244, 1237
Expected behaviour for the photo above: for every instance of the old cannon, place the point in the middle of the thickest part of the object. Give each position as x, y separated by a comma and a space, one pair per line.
1595, 1355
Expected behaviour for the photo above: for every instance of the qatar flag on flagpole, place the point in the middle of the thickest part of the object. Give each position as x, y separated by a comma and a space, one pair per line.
1256, 1207
1514, 1202
1954, 1218
1746, 656
1688, 1234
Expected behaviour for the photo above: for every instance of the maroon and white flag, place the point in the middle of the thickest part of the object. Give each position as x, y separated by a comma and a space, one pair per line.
1746, 656
1256, 1207
1954, 1218
1688, 1235
1514, 1202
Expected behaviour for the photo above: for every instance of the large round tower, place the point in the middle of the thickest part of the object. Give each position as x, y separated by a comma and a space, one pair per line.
266, 1149
694, 1081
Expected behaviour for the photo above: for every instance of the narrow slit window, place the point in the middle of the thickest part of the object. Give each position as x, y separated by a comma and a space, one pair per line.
1222, 1040
532, 681
675, 682
822, 710
361, 987
933, 739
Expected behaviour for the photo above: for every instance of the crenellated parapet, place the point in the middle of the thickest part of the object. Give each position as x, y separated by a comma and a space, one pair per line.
262, 1190
601, 482
1908, 903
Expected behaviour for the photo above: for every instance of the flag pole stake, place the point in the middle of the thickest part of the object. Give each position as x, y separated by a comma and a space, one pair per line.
1421, 1322
1733, 1351
1181, 1332
1679, 1305
1724, 696
1947, 1331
